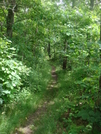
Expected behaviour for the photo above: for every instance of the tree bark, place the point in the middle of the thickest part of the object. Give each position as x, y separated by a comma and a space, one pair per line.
48, 50
64, 62
10, 21
1, 26
91, 4
10, 17
73, 3
65, 57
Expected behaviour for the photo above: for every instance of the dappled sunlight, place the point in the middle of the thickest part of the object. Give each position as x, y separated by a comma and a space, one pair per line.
50, 67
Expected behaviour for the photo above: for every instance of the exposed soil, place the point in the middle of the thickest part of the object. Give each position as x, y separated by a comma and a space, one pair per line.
41, 110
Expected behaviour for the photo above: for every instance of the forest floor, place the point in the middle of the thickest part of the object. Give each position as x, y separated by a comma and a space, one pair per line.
30, 126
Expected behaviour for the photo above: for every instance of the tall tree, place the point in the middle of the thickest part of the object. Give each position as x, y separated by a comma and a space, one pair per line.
10, 16
91, 4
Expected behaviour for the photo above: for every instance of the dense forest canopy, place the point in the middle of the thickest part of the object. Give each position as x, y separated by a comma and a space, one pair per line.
34, 34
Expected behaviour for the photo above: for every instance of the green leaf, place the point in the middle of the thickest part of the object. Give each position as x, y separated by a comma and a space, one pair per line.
1, 101
84, 114
6, 92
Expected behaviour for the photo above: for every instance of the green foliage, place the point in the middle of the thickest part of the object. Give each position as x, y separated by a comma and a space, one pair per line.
12, 72
26, 100
17, 113
73, 32
3, 13
35, 81
90, 115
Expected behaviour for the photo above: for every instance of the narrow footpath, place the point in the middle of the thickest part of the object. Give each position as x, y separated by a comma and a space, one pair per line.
41, 110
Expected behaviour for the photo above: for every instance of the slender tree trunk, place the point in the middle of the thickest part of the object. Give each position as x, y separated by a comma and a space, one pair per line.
54, 53
10, 21
91, 4
1, 26
65, 57
48, 50
73, 3
10, 17
64, 62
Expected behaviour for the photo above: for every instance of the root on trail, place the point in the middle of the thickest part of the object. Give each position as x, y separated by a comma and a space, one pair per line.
42, 109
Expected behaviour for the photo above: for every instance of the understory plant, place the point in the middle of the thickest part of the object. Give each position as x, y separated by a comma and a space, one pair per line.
13, 73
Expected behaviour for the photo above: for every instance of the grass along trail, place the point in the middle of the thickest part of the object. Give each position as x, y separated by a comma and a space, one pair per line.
30, 126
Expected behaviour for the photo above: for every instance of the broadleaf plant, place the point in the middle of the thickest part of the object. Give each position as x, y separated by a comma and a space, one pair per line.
12, 72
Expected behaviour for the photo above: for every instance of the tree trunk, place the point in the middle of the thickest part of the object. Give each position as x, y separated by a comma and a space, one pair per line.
1, 26
54, 53
100, 84
65, 57
91, 4
64, 62
10, 21
48, 50
73, 3
10, 17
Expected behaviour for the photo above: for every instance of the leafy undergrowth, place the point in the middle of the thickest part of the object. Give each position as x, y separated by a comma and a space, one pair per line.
16, 112
73, 109
79, 112
72, 106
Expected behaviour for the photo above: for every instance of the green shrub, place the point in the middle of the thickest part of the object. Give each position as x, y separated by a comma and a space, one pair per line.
12, 72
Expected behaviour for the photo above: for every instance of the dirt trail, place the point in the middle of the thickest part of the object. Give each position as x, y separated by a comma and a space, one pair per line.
41, 110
